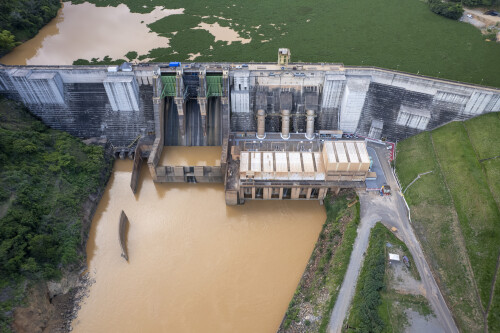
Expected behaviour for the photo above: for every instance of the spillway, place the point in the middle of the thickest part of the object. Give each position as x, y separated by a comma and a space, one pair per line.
194, 135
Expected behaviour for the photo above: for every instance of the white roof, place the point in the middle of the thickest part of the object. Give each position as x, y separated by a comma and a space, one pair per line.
307, 159
341, 153
281, 162
351, 150
268, 162
393, 256
282, 165
319, 163
295, 164
363, 153
330, 153
244, 161
255, 162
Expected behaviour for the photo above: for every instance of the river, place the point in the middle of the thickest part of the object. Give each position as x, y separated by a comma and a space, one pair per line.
195, 265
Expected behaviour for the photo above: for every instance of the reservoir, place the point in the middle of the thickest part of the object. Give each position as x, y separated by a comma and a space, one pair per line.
195, 264
84, 31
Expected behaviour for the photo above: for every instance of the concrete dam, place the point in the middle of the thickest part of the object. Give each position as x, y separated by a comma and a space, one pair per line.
279, 124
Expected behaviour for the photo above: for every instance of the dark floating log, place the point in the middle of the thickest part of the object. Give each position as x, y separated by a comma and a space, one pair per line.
122, 229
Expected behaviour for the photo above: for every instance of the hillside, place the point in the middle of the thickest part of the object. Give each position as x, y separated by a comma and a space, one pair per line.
456, 213
49, 182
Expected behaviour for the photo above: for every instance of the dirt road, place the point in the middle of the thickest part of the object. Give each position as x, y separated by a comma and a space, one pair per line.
392, 212
478, 15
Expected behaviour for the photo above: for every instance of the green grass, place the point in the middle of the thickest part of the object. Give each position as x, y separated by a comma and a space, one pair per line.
394, 34
443, 225
327, 266
492, 171
439, 232
484, 134
494, 313
477, 211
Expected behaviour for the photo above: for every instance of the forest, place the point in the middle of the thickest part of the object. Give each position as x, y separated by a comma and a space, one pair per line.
20, 20
46, 176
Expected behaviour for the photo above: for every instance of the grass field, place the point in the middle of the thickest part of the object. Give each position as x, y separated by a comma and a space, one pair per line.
484, 134
395, 34
477, 211
455, 213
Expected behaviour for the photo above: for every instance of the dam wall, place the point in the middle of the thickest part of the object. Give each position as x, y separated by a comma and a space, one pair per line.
86, 101
117, 102
371, 102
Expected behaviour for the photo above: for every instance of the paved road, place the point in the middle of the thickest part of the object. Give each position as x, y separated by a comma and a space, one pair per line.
391, 210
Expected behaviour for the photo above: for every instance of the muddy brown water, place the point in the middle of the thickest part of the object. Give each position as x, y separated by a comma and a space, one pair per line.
225, 34
191, 156
84, 31
195, 265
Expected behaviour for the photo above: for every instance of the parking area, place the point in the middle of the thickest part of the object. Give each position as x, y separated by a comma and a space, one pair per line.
377, 168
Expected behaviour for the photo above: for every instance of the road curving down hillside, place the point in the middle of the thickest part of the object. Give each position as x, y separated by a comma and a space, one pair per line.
392, 212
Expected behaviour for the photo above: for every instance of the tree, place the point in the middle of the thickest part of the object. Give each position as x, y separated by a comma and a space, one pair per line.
7, 41
450, 10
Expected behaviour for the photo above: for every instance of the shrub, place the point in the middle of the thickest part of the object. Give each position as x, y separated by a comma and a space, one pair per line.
450, 10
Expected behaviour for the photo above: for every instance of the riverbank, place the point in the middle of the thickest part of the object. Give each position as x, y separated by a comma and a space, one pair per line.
313, 301
51, 184
21, 20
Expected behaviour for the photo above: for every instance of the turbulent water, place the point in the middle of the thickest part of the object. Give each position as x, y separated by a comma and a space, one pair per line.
195, 265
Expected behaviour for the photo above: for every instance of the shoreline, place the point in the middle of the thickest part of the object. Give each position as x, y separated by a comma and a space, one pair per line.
51, 306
